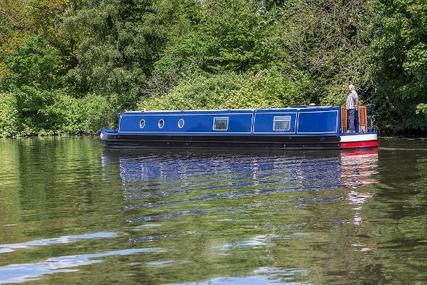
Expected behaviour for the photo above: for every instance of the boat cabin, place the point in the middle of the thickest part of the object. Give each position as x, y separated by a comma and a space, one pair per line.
285, 121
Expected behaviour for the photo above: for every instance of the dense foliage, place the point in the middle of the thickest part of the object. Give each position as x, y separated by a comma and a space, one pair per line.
399, 47
68, 66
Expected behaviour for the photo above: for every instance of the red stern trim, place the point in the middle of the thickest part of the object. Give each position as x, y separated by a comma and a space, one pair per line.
359, 144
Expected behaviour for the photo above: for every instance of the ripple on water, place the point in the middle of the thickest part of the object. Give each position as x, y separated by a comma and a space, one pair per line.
5, 248
17, 273
262, 275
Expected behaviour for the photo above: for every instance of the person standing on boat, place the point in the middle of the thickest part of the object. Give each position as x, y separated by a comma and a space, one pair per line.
351, 105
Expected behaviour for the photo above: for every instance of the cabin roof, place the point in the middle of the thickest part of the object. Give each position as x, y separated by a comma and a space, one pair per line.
299, 107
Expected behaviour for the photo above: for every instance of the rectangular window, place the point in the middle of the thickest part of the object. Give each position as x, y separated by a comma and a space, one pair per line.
220, 124
281, 123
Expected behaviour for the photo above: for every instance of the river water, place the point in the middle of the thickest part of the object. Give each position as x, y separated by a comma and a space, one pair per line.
72, 212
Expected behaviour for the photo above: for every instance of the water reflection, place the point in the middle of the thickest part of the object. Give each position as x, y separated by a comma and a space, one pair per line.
18, 273
190, 195
6, 248
265, 217
191, 176
359, 168
261, 276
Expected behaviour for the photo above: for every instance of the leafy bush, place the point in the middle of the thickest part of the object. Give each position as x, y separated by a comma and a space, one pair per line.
65, 114
265, 89
83, 116
8, 115
36, 110
198, 92
271, 88
422, 109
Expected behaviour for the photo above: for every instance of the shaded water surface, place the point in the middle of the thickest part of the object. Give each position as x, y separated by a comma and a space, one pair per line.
71, 212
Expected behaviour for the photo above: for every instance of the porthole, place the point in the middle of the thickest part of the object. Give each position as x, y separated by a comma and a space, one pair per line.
142, 123
161, 123
181, 123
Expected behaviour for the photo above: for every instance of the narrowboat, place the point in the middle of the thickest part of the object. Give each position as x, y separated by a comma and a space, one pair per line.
292, 128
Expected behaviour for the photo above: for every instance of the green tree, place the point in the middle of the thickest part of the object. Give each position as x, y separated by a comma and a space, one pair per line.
124, 39
34, 77
20, 20
14, 29
400, 53
326, 41
37, 63
321, 41
231, 36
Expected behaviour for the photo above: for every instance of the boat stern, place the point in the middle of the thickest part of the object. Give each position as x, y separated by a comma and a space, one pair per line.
358, 140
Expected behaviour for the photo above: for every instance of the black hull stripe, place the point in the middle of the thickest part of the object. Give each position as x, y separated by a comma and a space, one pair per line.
241, 139
276, 142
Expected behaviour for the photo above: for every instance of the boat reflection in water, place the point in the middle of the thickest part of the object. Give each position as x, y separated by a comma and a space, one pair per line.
301, 169
359, 168
210, 211
160, 178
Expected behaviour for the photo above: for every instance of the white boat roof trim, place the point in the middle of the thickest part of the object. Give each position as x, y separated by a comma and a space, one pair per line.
227, 110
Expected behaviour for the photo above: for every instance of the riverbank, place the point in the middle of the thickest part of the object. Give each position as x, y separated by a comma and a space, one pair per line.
48, 135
